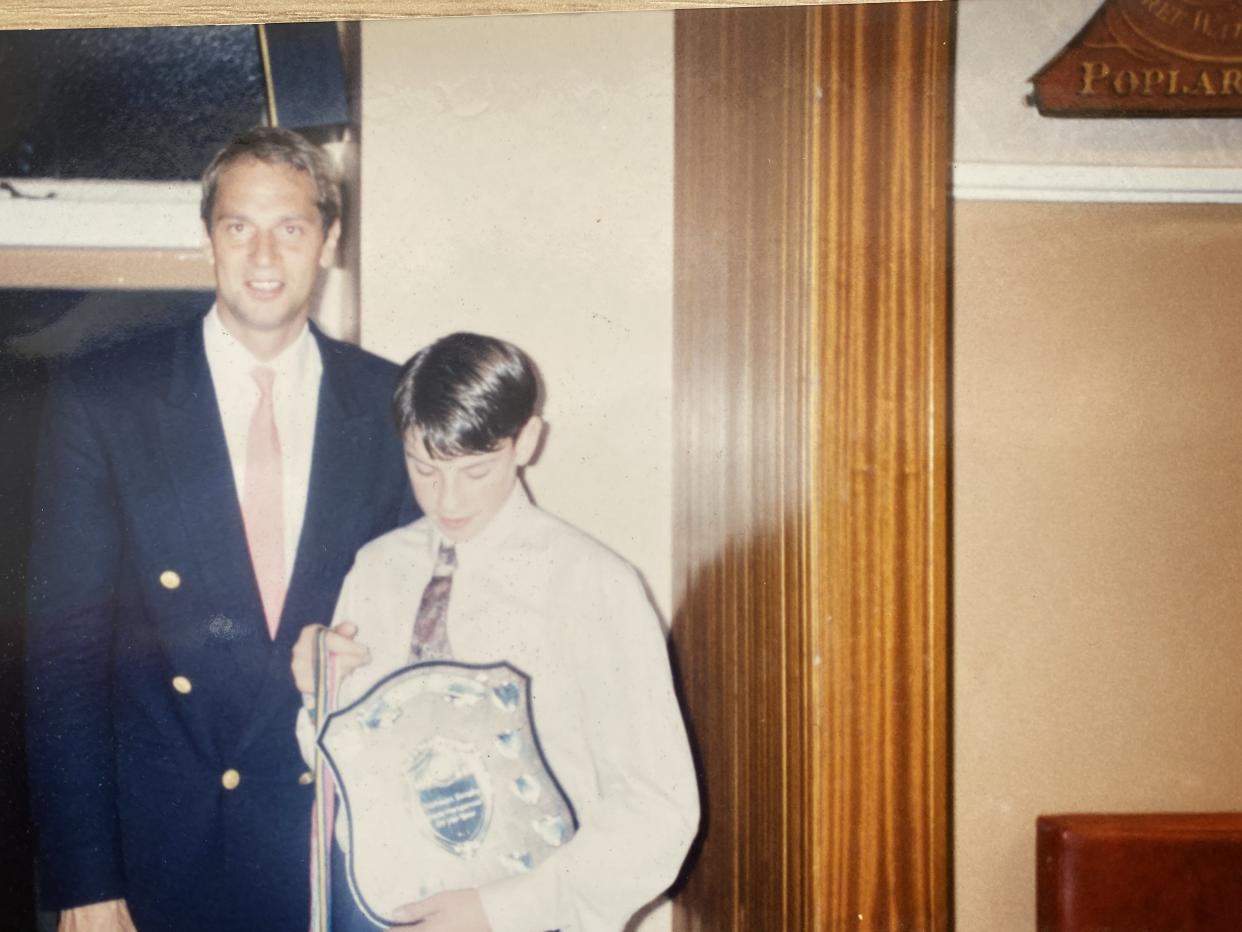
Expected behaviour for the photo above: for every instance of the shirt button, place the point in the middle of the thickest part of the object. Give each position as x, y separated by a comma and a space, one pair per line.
306, 779
170, 579
230, 779
182, 685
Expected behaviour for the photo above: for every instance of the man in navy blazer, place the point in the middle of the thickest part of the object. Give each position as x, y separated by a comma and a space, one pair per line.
167, 786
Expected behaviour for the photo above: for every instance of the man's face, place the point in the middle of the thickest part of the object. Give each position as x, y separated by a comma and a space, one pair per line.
267, 246
462, 494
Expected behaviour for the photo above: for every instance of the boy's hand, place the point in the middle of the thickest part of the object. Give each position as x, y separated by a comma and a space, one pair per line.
450, 911
339, 642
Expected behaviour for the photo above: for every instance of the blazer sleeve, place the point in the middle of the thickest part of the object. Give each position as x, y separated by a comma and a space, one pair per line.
74, 563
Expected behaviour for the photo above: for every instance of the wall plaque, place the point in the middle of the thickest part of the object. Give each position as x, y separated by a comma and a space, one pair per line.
1148, 58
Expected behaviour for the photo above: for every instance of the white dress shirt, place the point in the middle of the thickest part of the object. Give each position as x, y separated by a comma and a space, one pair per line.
295, 402
532, 590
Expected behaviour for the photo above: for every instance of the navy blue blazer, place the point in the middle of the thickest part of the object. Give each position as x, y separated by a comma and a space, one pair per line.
160, 714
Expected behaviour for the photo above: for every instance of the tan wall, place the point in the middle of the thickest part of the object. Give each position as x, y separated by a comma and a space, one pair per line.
1097, 526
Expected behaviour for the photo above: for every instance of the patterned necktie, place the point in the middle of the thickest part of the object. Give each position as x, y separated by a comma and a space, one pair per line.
263, 508
430, 640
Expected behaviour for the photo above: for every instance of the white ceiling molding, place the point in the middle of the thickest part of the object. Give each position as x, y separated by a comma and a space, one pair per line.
99, 214
979, 181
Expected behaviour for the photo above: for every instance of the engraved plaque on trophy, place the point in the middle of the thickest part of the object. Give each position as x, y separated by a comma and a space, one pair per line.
443, 783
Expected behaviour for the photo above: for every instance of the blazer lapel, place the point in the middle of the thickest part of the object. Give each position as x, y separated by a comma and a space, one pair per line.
335, 504
198, 460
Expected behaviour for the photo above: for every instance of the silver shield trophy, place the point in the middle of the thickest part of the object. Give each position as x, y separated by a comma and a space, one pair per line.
443, 782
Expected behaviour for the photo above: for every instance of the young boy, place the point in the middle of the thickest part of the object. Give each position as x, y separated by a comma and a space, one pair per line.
525, 588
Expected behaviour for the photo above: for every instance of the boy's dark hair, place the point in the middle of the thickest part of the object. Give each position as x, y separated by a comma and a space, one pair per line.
275, 145
466, 394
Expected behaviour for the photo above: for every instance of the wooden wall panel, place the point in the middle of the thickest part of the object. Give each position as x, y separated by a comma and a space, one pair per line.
811, 218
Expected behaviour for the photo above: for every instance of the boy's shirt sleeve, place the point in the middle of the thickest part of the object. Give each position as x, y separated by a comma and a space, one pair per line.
632, 841
306, 737
307, 729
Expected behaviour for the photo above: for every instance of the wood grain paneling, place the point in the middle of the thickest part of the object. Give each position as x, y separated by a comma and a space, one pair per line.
811, 218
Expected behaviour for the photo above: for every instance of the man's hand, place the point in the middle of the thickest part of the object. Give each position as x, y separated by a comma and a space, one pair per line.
339, 642
107, 916
451, 911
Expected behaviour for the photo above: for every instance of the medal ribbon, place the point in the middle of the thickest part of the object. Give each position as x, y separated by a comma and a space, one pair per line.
323, 815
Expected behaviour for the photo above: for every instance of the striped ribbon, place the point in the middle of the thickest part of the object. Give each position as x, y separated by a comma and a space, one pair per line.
323, 815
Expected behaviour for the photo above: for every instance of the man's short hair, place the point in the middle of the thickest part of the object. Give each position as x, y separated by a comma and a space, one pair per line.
466, 394
277, 146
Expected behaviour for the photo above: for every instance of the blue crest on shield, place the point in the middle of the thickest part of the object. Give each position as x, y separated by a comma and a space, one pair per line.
454, 793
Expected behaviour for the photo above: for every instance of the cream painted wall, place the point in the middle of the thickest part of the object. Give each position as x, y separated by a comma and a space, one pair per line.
1001, 44
517, 180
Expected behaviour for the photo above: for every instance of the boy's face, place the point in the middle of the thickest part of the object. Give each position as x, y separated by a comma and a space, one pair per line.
462, 494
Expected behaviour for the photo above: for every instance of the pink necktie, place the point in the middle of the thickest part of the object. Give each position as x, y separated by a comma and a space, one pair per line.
263, 502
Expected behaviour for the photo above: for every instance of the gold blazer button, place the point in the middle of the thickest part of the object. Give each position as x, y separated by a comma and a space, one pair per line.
170, 579
306, 779
230, 779
182, 685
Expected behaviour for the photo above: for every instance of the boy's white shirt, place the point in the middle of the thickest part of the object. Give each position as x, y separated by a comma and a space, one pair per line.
534, 591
